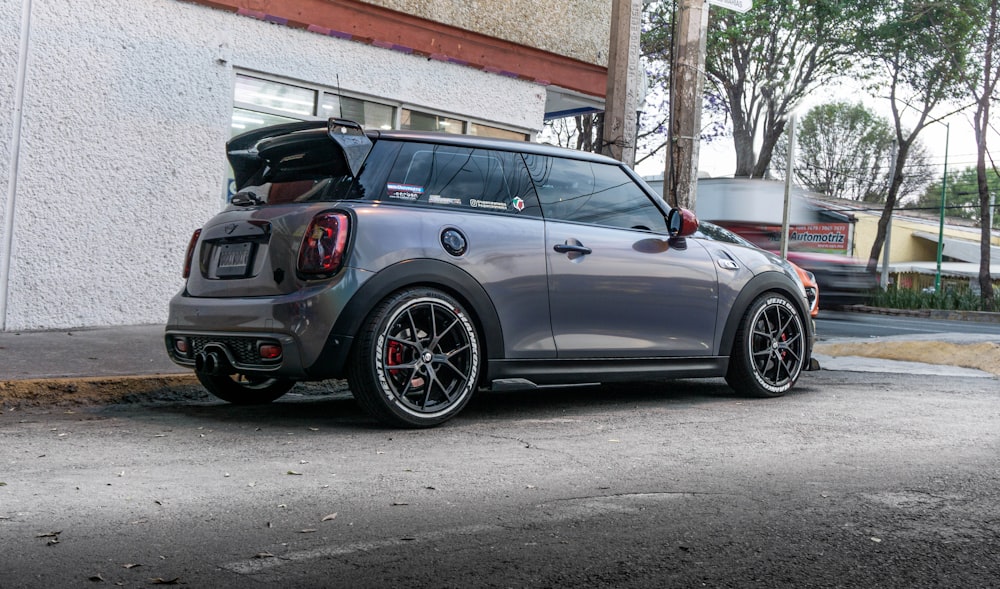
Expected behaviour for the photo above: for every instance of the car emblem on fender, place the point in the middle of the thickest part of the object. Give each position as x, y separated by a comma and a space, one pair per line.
229, 228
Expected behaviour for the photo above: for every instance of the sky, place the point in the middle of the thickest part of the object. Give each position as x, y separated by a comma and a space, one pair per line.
717, 159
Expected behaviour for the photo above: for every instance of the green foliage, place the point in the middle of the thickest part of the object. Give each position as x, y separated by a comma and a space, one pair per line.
845, 150
961, 194
762, 63
950, 299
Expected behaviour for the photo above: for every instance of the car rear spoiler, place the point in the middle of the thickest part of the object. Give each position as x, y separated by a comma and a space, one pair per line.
298, 148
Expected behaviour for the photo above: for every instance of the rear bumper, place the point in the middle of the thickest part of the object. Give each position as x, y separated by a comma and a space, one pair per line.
235, 327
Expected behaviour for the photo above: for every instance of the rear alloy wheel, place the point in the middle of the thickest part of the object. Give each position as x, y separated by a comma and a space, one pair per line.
240, 389
417, 360
770, 348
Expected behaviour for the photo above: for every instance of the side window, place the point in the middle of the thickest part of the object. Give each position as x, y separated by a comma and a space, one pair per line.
594, 193
460, 177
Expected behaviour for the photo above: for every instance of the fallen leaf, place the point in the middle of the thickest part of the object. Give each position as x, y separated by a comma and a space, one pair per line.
398, 504
158, 502
303, 462
876, 540
307, 531
52, 542
263, 555
96, 579
49, 534
292, 472
430, 488
614, 441
3, 484
121, 474
160, 581
131, 565
251, 484
327, 518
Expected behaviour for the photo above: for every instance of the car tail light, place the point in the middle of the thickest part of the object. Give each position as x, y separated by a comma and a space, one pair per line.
189, 256
269, 351
323, 246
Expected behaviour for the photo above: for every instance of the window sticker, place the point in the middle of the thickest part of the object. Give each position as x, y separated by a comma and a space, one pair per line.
487, 204
404, 191
518, 203
437, 199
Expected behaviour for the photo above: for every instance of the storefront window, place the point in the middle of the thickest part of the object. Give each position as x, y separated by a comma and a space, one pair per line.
284, 98
495, 132
413, 120
371, 115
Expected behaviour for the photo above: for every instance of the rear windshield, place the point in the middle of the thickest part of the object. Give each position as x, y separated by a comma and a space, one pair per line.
312, 185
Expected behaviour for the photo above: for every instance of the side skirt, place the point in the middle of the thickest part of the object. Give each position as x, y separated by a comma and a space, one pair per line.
528, 374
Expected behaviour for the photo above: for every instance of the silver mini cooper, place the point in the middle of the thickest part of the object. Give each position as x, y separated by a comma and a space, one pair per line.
422, 267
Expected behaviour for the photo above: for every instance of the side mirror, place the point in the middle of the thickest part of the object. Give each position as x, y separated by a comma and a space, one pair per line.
681, 223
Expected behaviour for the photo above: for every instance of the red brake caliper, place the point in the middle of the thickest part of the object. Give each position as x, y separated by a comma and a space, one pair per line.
395, 357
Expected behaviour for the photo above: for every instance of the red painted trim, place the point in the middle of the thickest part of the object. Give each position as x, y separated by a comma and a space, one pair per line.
386, 28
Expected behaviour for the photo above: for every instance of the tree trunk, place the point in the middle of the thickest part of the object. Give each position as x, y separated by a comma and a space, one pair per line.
890, 204
980, 121
771, 136
743, 142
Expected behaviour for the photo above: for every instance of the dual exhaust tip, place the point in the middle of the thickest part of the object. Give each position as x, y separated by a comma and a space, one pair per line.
213, 363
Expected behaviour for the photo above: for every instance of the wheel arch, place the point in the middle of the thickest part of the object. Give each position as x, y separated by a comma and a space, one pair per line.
764, 282
429, 273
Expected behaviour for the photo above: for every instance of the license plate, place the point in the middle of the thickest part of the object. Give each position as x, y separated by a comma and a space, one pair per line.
234, 259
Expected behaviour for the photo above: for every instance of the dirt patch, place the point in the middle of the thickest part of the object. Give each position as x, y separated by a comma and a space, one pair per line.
983, 356
133, 389
89, 391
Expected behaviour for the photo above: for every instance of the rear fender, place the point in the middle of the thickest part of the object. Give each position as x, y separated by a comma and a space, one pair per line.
426, 272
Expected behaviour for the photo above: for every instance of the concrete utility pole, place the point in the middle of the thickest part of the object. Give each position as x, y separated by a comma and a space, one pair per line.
622, 100
686, 83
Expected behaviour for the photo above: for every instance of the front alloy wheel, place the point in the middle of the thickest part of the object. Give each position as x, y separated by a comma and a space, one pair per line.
417, 361
770, 348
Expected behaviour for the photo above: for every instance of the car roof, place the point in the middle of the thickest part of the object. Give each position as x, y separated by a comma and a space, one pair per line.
474, 141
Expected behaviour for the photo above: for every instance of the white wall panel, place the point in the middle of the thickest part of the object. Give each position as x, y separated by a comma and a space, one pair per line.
127, 110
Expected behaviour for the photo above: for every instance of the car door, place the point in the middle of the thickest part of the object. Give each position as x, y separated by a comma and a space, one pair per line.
618, 287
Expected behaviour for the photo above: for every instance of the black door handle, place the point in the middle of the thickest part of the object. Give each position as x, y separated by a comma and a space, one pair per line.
567, 248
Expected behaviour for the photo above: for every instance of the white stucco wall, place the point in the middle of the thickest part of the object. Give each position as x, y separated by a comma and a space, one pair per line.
10, 25
127, 110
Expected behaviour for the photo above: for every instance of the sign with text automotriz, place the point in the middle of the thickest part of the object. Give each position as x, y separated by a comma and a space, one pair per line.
737, 5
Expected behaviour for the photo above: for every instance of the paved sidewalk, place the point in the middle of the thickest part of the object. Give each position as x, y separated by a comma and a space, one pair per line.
136, 350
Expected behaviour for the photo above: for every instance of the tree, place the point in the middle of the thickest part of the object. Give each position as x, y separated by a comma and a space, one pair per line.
764, 62
982, 89
961, 194
917, 53
844, 150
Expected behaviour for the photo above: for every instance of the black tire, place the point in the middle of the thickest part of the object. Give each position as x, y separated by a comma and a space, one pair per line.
769, 352
240, 389
416, 360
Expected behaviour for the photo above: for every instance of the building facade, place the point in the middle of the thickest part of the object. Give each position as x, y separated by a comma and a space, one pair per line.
114, 116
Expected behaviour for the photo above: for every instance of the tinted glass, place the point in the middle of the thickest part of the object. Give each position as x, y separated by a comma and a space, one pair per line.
448, 176
309, 186
595, 193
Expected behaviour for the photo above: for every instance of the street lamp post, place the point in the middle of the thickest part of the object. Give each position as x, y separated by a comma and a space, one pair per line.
944, 184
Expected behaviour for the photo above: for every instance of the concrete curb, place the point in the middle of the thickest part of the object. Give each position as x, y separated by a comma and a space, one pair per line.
978, 316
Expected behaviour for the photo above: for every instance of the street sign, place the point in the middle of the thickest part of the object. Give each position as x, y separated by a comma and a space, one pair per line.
737, 5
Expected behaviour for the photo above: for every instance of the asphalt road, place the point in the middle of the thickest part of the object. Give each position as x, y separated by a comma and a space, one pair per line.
840, 324
853, 480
